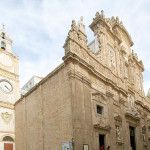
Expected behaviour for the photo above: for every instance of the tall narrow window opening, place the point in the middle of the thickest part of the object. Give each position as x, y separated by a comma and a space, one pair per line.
99, 109
3, 35
3, 45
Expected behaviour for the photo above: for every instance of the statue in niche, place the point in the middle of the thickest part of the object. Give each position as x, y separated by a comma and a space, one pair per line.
100, 36
144, 139
112, 60
126, 72
81, 26
138, 82
131, 102
121, 67
118, 133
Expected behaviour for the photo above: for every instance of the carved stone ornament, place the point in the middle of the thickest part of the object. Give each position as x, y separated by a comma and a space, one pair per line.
81, 26
148, 122
132, 117
102, 124
118, 120
143, 129
131, 102
118, 134
6, 117
98, 96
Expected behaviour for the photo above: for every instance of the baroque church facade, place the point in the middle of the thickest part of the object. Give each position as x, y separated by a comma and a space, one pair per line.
9, 92
94, 98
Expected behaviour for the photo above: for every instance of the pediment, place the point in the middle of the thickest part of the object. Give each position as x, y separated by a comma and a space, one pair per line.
98, 96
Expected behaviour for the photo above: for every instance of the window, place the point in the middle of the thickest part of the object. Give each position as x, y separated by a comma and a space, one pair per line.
3, 45
3, 35
99, 109
8, 138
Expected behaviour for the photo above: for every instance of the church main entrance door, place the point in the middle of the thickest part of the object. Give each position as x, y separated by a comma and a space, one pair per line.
132, 138
8, 146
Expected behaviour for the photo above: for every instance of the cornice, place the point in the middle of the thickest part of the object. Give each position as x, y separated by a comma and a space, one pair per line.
9, 74
138, 102
79, 76
6, 105
12, 132
9, 54
72, 56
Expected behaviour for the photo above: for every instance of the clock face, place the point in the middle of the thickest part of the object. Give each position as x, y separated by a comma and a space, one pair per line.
6, 86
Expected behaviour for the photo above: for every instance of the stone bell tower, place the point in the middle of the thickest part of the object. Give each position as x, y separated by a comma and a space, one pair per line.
9, 91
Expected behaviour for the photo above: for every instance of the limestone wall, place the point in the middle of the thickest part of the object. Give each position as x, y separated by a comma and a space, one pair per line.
44, 118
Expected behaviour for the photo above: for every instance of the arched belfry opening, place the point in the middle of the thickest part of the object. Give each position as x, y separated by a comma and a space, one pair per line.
3, 35
3, 45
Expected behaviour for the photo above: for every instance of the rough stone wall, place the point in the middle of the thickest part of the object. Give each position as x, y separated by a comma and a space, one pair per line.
43, 117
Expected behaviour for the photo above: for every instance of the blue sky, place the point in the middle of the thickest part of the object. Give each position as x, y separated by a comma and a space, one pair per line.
39, 28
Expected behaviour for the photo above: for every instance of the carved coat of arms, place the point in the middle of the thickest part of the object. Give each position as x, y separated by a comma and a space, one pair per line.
6, 117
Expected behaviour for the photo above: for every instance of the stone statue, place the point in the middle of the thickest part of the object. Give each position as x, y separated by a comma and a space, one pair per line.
121, 67
144, 138
112, 60
118, 133
138, 82
131, 102
81, 26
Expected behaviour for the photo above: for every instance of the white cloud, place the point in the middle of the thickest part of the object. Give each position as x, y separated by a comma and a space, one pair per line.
39, 29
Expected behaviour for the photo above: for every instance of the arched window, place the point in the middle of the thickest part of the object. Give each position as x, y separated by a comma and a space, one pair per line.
8, 139
3, 35
3, 45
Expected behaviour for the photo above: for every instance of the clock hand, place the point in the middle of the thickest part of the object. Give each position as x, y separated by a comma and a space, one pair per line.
7, 87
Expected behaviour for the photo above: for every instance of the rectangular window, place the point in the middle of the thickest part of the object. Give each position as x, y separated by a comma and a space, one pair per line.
99, 109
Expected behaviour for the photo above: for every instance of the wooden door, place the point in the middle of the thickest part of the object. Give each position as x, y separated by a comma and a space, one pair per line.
8, 146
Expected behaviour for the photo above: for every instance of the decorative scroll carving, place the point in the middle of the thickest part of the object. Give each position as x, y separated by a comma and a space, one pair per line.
6, 117
102, 125
118, 120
